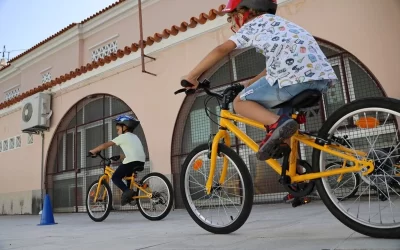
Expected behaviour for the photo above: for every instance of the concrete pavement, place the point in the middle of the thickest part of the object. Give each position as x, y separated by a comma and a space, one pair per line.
277, 226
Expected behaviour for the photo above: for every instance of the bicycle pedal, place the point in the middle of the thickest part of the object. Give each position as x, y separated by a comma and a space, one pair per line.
133, 202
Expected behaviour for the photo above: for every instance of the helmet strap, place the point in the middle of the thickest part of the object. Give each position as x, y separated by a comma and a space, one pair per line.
238, 22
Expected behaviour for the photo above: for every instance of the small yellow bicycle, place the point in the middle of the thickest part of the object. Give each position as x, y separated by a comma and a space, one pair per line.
217, 188
153, 201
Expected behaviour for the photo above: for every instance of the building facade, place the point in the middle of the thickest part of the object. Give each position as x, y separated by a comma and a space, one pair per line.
93, 72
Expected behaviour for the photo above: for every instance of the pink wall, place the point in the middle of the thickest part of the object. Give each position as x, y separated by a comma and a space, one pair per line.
144, 93
21, 166
61, 62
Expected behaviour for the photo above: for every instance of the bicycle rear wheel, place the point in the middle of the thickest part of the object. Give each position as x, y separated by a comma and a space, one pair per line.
159, 206
99, 210
370, 124
230, 202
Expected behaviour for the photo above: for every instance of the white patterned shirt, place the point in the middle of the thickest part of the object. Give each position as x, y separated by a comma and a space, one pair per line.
292, 54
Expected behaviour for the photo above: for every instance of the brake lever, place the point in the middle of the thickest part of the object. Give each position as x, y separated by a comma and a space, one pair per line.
187, 91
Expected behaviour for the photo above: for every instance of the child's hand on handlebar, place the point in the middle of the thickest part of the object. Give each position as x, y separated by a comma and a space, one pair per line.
191, 80
92, 153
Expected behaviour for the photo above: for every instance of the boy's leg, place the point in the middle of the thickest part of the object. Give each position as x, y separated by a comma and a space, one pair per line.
122, 171
254, 101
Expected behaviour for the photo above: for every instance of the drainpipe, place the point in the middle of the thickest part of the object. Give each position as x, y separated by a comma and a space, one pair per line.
42, 173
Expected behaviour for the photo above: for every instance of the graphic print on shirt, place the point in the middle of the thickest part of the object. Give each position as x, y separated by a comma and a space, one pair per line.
292, 54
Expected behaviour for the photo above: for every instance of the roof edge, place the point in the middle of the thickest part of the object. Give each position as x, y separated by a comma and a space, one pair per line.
134, 47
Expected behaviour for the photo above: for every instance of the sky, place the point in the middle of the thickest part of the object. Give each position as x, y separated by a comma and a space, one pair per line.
24, 23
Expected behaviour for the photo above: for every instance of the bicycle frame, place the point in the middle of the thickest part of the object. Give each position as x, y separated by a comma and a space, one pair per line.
364, 165
108, 172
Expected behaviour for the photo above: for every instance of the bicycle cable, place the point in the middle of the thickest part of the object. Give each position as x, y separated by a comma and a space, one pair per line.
206, 100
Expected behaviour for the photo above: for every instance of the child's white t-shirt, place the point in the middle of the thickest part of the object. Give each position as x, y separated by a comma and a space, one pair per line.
292, 54
131, 146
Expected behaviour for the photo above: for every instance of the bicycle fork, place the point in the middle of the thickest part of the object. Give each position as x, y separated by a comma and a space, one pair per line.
222, 134
102, 178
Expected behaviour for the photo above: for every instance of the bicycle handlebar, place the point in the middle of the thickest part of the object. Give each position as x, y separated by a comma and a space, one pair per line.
227, 95
98, 154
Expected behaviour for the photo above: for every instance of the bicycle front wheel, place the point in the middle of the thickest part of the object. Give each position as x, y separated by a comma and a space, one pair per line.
367, 127
99, 210
229, 203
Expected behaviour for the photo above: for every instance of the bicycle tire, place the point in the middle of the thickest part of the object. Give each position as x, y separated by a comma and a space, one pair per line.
109, 201
365, 103
170, 199
247, 182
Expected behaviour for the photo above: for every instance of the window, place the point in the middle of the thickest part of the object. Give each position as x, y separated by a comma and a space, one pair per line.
46, 77
18, 141
11, 143
9, 94
88, 124
105, 50
5, 145
30, 139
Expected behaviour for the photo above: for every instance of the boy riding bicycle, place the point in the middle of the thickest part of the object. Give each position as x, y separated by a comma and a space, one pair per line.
133, 158
294, 63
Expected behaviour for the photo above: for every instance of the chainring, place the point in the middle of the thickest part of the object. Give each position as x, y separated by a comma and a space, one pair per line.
301, 189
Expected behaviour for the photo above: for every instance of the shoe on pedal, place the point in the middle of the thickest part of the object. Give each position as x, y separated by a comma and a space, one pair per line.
126, 196
278, 132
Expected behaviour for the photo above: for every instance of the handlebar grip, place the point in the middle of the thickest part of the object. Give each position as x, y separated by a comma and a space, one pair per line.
186, 84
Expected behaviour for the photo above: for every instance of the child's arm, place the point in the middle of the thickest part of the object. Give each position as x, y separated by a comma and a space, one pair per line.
102, 147
211, 59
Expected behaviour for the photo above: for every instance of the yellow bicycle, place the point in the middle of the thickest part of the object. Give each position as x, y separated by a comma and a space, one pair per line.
217, 188
153, 201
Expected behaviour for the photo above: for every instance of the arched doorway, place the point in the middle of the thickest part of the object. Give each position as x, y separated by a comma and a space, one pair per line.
68, 172
193, 127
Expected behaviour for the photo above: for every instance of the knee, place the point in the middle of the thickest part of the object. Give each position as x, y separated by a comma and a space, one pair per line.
114, 178
236, 102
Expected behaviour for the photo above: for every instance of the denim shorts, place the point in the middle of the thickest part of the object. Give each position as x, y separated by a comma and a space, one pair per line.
269, 96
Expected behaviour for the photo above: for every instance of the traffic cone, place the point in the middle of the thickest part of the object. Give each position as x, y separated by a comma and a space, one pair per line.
47, 213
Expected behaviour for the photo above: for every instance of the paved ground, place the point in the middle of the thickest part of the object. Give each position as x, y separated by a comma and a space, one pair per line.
268, 227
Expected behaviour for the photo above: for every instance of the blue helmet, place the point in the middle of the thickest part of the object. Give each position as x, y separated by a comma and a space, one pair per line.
128, 121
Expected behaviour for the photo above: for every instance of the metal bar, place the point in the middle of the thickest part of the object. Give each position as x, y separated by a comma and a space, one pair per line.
76, 158
141, 35
42, 172
142, 41
346, 86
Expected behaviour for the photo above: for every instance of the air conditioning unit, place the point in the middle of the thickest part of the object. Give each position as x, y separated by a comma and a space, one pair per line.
36, 113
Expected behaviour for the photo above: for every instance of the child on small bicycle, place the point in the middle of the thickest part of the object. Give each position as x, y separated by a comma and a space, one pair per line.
294, 63
133, 158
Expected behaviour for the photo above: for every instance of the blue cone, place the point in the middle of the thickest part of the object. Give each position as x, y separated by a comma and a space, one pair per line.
47, 213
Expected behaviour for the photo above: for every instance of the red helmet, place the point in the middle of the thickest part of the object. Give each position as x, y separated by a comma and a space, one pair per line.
268, 6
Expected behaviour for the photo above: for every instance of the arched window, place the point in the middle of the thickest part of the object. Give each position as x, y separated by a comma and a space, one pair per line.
193, 127
86, 125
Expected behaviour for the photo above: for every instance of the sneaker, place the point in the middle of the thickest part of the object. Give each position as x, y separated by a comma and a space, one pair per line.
288, 198
126, 196
283, 129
